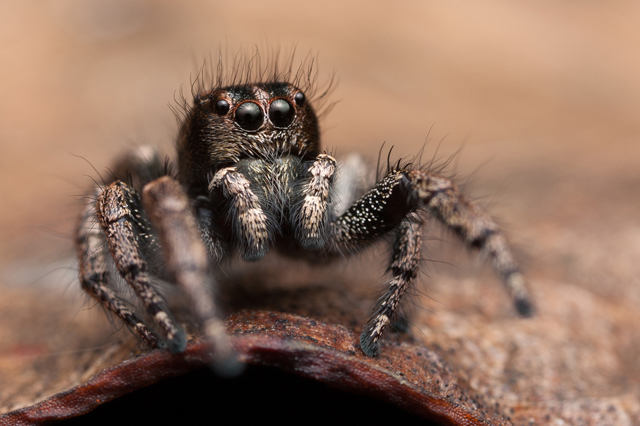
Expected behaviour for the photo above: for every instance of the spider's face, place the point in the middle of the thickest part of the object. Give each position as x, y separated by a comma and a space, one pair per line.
229, 124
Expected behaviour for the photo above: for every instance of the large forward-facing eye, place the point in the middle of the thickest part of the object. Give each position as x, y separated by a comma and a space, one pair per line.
249, 116
281, 113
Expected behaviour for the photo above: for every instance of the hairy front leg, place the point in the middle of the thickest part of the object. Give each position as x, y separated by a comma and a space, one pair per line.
187, 261
312, 216
122, 219
249, 221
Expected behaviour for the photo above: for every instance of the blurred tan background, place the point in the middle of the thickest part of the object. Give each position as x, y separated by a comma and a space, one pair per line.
540, 96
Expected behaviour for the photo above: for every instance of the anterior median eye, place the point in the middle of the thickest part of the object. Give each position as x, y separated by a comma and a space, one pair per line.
281, 113
249, 116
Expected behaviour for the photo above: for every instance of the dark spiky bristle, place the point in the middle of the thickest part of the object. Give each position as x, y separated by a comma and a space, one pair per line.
249, 67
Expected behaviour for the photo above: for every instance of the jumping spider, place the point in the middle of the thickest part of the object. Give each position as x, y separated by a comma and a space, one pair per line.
251, 177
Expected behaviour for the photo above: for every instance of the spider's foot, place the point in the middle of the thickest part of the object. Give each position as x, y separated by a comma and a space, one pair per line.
522, 300
178, 343
313, 243
525, 307
255, 252
369, 346
372, 333
225, 361
229, 366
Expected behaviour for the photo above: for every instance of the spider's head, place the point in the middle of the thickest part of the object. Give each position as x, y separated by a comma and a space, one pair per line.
228, 124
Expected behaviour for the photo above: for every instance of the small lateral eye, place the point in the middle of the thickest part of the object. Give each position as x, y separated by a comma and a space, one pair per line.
249, 116
281, 113
222, 107
299, 98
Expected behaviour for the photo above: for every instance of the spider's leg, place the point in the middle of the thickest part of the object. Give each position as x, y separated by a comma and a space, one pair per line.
386, 206
123, 220
250, 222
94, 276
405, 263
187, 261
312, 214
475, 227
377, 212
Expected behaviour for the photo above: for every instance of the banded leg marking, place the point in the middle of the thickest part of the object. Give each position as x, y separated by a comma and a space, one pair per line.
442, 198
94, 276
396, 198
114, 211
405, 262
